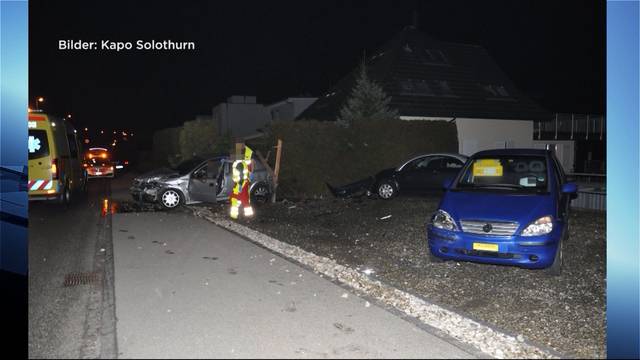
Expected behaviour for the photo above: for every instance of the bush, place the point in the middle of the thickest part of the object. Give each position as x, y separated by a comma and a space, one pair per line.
197, 138
166, 146
318, 152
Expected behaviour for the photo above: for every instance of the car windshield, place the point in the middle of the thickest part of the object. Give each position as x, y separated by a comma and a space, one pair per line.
508, 173
184, 167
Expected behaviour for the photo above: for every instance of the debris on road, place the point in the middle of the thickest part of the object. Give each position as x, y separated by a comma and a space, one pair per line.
385, 217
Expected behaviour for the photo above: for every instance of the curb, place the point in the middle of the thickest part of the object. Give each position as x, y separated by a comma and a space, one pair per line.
460, 328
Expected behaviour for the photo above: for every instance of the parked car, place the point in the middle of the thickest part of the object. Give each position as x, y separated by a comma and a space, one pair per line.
197, 180
507, 206
422, 173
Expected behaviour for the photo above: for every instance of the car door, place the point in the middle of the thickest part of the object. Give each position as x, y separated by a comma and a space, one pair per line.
225, 182
203, 182
449, 169
409, 176
432, 174
564, 200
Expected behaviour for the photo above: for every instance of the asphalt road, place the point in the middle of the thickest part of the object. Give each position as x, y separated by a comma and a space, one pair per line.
63, 240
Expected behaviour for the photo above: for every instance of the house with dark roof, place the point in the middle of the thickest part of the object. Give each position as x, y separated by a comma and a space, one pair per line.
289, 108
431, 80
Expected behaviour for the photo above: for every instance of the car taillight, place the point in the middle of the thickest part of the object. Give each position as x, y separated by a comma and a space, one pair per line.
126, 162
54, 169
111, 168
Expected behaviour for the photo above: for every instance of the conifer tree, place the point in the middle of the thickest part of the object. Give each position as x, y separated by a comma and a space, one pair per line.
368, 101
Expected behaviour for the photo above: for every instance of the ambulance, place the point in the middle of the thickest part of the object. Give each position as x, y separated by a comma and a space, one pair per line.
55, 159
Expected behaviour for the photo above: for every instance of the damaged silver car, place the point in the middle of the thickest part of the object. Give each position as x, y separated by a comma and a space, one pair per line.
197, 180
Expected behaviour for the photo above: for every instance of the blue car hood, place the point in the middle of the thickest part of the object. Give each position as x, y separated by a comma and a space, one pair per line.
497, 206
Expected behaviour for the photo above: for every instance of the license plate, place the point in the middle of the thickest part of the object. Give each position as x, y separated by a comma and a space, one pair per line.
485, 247
98, 173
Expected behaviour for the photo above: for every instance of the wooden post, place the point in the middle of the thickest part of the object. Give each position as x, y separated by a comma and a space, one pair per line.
277, 170
238, 154
264, 162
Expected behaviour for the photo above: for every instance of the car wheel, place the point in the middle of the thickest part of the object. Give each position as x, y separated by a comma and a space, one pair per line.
556, 268
65, 196
435, 259
171, 199
260, 194
387, 189
85, 184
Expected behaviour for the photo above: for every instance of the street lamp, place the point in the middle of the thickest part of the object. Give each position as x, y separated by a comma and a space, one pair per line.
39, 99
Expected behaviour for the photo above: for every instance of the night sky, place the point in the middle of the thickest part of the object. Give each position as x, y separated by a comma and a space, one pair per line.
552, 50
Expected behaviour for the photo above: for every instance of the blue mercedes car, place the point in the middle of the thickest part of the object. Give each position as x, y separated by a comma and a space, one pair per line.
506, 206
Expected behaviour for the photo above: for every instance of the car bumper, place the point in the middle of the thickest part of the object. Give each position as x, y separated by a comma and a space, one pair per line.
51, 192
108, 174
532, 252
149, 194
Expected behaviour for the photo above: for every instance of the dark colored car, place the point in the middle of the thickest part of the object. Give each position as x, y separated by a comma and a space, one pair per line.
424, 173
507, 206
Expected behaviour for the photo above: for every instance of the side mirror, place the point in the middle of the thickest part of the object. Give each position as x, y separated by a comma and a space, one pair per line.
570, 188
446, 184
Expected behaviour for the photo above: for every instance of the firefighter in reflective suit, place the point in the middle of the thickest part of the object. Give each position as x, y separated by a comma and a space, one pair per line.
241, 178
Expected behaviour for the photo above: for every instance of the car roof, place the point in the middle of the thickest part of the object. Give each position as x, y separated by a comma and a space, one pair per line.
460, 157
497, 152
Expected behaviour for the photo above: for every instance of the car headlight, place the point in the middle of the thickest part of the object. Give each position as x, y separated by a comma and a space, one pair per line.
542, 226
442, 220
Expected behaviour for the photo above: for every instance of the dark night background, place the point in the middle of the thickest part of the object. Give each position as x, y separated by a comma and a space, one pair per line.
552, 50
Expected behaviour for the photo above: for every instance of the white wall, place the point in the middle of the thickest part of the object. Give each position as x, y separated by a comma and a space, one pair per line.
483, 134
565, 151
241, 119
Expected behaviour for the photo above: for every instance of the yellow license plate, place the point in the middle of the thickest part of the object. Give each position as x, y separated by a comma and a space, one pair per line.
485, 247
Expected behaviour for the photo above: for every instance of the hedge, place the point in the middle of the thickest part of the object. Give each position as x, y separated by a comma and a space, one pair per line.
315, 153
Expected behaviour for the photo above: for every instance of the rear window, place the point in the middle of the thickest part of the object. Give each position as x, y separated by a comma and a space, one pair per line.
38, 144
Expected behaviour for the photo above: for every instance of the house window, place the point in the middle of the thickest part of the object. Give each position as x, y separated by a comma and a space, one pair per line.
495, 92
502, 91
445, 88
415, 87
434, 56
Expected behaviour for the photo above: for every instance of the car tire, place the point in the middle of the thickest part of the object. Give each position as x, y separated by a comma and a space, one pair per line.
435, 259
556, 268
387, 189
170, 199
85, 184
260, 194
65, 195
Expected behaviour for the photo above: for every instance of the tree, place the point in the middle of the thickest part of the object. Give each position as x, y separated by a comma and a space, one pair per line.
368, 101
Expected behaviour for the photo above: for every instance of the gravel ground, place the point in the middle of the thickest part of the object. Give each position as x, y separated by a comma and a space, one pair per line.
565, 313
